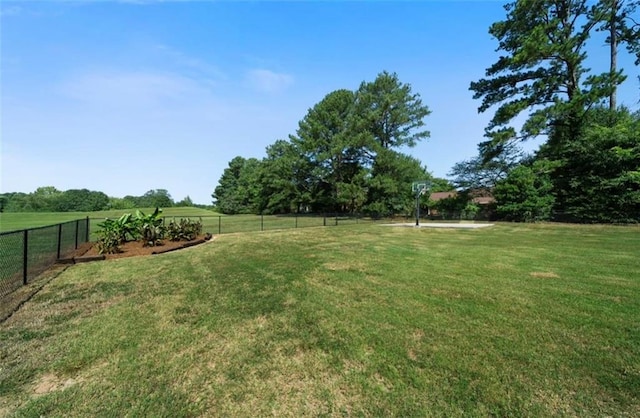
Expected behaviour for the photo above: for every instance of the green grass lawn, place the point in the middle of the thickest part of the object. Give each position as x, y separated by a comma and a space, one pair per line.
43, 242
365, 320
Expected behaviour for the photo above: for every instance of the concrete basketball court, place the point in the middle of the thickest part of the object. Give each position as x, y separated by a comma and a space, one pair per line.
442, 225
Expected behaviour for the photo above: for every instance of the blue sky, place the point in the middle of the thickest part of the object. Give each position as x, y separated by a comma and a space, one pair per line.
124, 97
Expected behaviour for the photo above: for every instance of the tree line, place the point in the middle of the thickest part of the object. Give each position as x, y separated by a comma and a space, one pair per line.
344, 157
345, 154
50, 199
588, 170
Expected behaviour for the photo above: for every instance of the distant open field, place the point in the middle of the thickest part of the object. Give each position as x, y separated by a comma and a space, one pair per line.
212, 222
364, 320
23, 220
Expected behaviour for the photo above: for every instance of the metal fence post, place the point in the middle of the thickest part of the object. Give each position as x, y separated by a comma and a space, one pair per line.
324, 220
77, 230
296, 220
219, 224
25, 256
336, 219
86, 238
59, 239
261, 222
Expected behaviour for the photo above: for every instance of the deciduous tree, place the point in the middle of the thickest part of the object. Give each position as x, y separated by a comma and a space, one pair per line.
525, 194
482, 173
238, 188
597, 178
186, 202
81, 200
286, 184
157, 198
390, 184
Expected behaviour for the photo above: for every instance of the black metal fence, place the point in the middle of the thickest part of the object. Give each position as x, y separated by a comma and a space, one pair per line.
218, 225
227, 224
27, 253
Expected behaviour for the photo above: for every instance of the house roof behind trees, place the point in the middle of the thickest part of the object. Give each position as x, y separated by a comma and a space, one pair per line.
479, 196
442, 195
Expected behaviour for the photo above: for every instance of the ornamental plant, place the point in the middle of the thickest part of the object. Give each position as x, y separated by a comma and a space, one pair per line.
115, 232
150, 227
184, 230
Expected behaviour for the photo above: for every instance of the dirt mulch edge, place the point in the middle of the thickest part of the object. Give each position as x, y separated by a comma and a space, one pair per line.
185, 245
165, 247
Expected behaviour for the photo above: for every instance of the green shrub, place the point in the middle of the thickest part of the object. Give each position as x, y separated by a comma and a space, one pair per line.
525, 194
109, 237
150, 227
114, 232
184, 230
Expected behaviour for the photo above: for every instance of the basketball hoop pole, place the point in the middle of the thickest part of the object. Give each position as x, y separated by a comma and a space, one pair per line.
418, 207
419, 187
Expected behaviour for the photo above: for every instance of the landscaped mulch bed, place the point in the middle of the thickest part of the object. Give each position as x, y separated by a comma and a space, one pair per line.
136, 248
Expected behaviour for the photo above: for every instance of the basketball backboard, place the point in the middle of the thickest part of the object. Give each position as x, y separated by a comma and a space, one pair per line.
420, 186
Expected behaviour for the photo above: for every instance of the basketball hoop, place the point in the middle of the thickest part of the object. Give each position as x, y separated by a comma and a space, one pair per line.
420, 187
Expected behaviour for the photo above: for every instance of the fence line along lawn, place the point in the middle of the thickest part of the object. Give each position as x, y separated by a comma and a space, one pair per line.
514, 320
11, 221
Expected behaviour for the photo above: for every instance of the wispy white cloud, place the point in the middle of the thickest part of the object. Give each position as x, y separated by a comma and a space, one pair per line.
143, 2
189, 65
267, 81
10, 11
131, 89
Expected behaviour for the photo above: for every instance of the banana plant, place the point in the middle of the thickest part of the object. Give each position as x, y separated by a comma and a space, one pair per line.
128, 227
150, 227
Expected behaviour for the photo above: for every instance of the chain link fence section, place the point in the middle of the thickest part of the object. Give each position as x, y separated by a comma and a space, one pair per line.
25, 254
11, 261
82, 231
223, 224
42, 250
